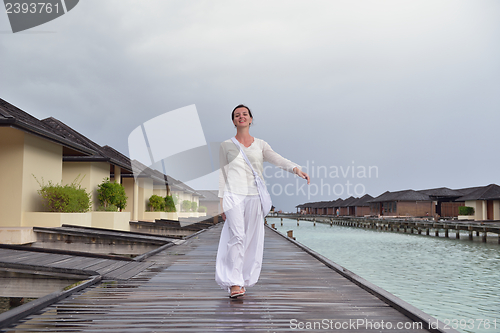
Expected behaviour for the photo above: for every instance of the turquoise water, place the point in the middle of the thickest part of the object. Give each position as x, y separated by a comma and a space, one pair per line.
456, 281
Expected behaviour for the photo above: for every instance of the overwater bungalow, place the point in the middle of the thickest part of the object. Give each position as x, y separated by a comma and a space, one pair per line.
345, 206
429, 202
361, 206
485, 201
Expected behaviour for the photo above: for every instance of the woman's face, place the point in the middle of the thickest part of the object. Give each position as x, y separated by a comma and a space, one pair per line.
242, 117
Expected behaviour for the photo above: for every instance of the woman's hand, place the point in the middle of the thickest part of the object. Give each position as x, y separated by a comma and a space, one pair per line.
302, 174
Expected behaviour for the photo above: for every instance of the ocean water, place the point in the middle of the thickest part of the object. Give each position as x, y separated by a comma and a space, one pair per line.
456, 281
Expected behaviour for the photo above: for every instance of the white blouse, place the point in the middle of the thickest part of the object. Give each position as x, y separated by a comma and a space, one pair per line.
235, 174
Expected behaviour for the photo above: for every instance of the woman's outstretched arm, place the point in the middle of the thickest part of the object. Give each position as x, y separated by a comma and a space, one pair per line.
274, 158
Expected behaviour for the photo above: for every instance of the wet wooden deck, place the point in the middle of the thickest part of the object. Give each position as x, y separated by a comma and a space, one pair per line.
70, 264
178, 294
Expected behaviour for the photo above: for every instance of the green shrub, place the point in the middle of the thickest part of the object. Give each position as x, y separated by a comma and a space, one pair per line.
70, 198
194, 206
111, 195
110, 208
202, 209
186, 205
169, 204
157, 203
465, 210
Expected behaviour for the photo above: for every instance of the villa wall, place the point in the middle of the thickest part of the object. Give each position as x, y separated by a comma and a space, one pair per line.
480, 208
128, 184
11, 175
42, 158
362, 211
161, 191
91, 174
23, 155
145, 192
415, 208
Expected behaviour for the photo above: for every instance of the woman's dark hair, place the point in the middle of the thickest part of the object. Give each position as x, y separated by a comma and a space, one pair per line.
241, 106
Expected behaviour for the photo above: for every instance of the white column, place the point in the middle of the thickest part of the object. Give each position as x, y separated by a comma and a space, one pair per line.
118, 174
135, 211
485, 210
496, 210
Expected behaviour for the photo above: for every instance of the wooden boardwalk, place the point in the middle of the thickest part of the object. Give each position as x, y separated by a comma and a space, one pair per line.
482, 230
178, 294
70, 264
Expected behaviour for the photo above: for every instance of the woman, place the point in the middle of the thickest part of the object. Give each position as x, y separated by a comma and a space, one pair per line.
241, 245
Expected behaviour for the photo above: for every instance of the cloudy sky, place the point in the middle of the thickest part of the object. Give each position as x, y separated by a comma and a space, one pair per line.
409, 90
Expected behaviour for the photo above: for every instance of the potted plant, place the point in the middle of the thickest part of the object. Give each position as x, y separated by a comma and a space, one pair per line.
466, 213
156, 203
69, 198
111, 196
112, 201
63, 204
169, 204
161, 208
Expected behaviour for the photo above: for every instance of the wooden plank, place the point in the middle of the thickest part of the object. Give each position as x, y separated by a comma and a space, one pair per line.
66, 262
53, 259
127, 271
5, 254
62, 252
85, 262
112, 266
97, 264
12, 257
34, 258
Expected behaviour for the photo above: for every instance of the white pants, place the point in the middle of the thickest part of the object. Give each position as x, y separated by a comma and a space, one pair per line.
241, 245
